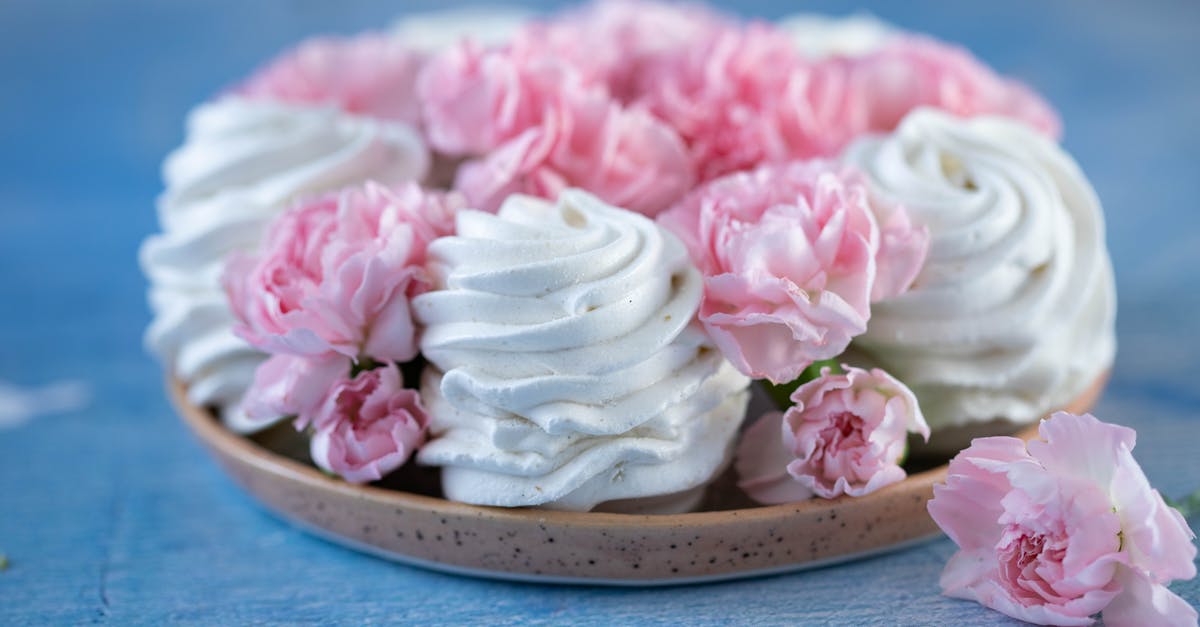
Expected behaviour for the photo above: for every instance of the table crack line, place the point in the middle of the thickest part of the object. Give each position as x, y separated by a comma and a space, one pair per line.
115, 515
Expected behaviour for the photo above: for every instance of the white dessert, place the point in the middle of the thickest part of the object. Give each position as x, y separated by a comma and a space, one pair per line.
573, 372
821, 36
486, 25
241, 164
1013, 314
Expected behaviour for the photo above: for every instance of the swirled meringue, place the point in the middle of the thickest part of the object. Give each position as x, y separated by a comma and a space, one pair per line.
573, 372
819, 36
242, 162
1013, 314
487, 25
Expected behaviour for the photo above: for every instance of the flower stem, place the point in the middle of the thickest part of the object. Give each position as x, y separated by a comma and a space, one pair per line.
782, 393
362, 364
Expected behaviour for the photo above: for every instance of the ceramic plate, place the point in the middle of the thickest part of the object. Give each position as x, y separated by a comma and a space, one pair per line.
730, 538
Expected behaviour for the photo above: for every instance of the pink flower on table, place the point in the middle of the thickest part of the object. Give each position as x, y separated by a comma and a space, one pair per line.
846, 434
721, 96
368, 426
624, 156
475, 99
372, 74
336, 273
289, 385
790, 255
1057, 530
831, 102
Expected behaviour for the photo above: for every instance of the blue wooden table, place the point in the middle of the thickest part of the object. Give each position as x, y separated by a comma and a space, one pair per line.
112, 513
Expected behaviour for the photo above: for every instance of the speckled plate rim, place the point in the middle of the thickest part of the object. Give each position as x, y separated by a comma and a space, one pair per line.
479, 573
599, 548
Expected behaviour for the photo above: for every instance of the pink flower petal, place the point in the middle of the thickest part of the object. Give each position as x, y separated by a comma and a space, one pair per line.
624, 156
1081, 446
762, 462
968, 506
288, 385
1144, 602
370, 74
1156, 536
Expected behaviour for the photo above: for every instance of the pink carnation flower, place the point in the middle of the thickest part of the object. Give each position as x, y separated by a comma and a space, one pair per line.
790, 256
846, 434
336, 274
368, 426
372, 75
1058, 530
614, 43
288, 385
902, 250
623, 156
721, 95
916, 71
830, 103
476, 99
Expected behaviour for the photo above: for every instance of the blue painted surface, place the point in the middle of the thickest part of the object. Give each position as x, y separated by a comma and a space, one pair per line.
115, 514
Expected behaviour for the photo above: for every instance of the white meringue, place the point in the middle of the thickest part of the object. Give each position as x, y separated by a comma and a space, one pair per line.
819, 36
486, 25
574, 374
1013, 314
242, 163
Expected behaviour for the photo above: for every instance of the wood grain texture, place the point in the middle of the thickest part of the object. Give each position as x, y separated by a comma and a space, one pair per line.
116, 515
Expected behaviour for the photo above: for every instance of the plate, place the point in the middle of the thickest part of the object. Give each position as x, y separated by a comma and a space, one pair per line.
730, 539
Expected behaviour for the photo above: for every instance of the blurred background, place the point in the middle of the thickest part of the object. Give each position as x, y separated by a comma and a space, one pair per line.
117, 496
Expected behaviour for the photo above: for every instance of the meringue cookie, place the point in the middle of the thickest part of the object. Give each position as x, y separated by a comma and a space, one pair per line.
486, 25
573, 372
820, 36
1013, 314
242, 162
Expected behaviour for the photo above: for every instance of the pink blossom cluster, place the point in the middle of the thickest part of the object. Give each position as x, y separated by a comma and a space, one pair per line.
328, 297
677, 94
620, 93
635, 102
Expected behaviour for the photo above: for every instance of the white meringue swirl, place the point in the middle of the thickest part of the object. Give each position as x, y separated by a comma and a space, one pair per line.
1013, 314
487, 25
573, 372
819, 36
242, 162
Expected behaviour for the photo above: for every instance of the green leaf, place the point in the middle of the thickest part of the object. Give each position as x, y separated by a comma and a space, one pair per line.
782, 393
1188, 506
3, 562
903, 454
